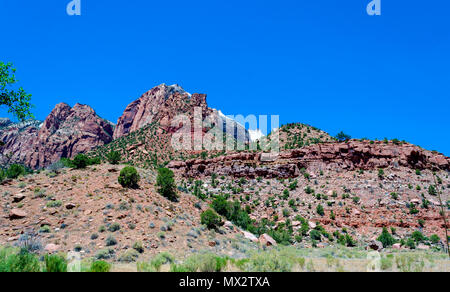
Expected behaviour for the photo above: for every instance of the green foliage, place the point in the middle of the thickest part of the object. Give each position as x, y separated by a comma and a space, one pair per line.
342, 137
129, 177
166, 184
80, 161
432, 190
22, 261
434, 239
2, 175
113, 157
15, 99
320, 210
210, 219
155, 263
15, 170
418, 236
386, 238
55, 264
100, 267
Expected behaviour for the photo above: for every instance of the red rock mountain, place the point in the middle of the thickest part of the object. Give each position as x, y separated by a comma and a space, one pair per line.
64, 133
160, 104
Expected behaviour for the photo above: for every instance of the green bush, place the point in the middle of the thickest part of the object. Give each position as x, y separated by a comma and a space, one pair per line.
432, 190
166, 184
22, 261
114, 157
2, 175
434, 239
342, 137
386, 238
320, 210
100, 267
55, 264
210, 219
129, 177
15, 170
80, 161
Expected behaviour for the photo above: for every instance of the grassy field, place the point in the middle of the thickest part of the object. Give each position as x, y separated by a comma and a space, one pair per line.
280, 259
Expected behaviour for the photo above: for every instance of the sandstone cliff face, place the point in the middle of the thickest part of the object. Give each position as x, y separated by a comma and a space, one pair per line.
338, 156
161, 104
18, 140
64, 133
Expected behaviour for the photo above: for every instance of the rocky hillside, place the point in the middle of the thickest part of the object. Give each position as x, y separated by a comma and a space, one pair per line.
297, 135
64, 133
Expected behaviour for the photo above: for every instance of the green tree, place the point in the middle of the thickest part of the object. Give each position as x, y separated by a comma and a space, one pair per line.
386, 238
320, 210
210, 219
15, 99
15, 170
129, 177
113, 157
166, 184
342, 137
80, 161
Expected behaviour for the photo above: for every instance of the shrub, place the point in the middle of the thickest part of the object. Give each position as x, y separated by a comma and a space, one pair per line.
315, 235
104, 254
129, 256
113, 157
15, 170
210, 219
54, 204
434, 239
2, 175
55, 264
155, 263
418, 236
22, 261
386, 238
114, 227
432, 190
110, 241
80, 161
341, 136
129, 177
166, 184
380, 173
100, 267
320, 210
222, 206
394, 196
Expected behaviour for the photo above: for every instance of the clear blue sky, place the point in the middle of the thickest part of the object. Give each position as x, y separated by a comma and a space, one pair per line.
325, 63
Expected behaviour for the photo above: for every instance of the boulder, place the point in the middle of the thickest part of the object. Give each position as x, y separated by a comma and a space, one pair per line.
17, 214
18, 198
51, 248
375, 245
250, 236
267, 240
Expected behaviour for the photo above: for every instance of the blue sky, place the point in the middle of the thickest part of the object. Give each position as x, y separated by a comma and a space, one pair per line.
325, 63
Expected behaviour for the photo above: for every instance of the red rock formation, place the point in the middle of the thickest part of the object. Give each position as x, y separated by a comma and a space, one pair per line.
161, 104
64, 133
349, 156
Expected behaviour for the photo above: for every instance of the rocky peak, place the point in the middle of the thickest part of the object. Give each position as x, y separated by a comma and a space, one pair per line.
65, 132
160, 105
